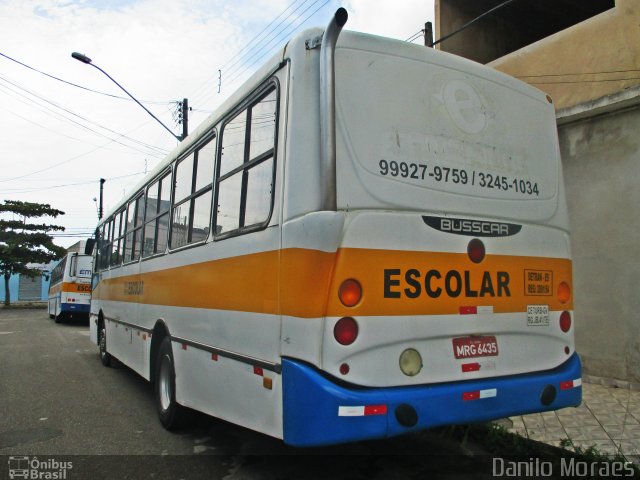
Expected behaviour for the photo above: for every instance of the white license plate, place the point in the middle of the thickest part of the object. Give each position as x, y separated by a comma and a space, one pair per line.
537, 315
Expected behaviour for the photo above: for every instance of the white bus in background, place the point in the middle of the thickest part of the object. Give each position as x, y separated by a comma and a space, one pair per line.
336, 258
70, 288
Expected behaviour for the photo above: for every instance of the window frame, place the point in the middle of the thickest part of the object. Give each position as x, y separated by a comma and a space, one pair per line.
253, 99
211, 136
158, 178
133, 199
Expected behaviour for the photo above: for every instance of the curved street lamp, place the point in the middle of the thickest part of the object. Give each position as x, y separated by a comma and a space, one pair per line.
84, 59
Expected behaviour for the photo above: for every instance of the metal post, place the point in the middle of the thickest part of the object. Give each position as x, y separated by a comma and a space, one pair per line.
428, 35
102, 180
328, 109
185, 118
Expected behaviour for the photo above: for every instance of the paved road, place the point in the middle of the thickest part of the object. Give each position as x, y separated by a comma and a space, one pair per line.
58, 402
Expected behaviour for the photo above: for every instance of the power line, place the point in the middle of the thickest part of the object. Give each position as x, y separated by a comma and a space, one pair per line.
88, 182
585, 81
471, 22
236, 55
158, 152
246, 67
73, 84
578, 74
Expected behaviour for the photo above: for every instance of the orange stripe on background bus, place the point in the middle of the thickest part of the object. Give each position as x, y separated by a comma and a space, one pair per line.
393, 283
76, 287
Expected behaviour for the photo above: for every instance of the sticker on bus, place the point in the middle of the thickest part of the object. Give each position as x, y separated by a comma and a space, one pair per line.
537, 315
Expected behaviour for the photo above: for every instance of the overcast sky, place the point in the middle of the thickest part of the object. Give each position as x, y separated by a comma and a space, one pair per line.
58, 140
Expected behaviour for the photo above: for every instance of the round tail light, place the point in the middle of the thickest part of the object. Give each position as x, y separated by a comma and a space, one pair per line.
565, 321
345, 331
350, 292
476, 250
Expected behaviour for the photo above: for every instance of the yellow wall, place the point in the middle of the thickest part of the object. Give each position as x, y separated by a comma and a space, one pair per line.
602, 50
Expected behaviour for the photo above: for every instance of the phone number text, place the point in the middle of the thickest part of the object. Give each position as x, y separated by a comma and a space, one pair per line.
458, 176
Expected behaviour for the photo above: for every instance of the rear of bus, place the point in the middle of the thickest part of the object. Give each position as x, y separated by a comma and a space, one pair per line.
75, 296
449, 297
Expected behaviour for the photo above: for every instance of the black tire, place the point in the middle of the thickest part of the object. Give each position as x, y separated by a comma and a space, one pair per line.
105, 357
57, 318
171, 414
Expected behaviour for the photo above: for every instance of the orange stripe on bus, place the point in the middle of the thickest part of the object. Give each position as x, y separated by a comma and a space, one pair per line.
70, 287
309, 281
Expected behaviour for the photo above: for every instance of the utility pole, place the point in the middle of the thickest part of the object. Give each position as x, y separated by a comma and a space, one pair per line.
185, 118
102, 180
428, 35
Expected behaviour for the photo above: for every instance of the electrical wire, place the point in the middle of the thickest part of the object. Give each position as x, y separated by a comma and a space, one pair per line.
153, 150
75, 84
277, 39
471, 22
88, 182
248, 45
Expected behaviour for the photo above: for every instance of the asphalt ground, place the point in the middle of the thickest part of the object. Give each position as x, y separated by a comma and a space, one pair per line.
58, 404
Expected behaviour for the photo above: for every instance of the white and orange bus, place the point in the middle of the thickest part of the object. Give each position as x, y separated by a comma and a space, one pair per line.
70, 288
369, 238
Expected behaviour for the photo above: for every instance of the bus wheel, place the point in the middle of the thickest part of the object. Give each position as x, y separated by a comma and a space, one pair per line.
57, 318
105, 358
171, 414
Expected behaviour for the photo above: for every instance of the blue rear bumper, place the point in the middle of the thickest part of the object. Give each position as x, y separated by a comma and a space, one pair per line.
311, 403
74, 308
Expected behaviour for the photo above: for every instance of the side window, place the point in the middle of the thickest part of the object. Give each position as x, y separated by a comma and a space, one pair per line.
117, 239
246, 173
158, 202
133, 235
191, 218
105, 253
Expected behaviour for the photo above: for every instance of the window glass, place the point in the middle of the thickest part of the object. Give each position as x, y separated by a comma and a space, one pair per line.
259, 188
233, 143
180, 225
184, 177
152, 200
206, 161
128, 256
131, 216
163, 228
165, 193
136, 243
201, 217
263, 121
228, 213
149, 238
139, 211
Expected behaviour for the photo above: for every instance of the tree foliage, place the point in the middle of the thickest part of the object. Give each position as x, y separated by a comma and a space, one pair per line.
22, 242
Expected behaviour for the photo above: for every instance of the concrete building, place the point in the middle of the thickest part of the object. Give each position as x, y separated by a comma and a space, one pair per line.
35, 289
586, 56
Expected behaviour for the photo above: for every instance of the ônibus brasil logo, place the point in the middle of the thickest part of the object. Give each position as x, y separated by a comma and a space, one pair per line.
33, 468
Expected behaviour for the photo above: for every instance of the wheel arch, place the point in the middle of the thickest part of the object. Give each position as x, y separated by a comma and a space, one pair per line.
159, 333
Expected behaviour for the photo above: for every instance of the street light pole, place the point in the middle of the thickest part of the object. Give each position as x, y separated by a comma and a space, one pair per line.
84, 59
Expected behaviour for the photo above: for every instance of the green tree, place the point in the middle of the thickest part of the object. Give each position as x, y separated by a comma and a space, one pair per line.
22, 242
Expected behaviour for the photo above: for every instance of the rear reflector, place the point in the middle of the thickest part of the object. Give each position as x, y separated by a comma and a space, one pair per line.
569, 384
479, 394
473, 310
362, 411
470, 367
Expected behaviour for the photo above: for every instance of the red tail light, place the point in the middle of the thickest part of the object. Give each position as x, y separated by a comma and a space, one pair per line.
565, 321
475, 250
345, 331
